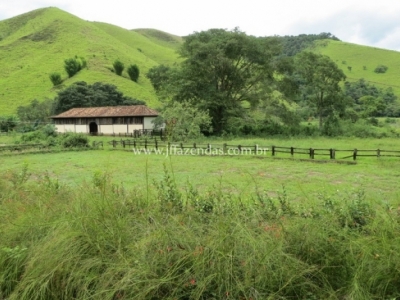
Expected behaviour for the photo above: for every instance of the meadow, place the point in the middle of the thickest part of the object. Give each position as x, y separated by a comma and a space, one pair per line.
109, 224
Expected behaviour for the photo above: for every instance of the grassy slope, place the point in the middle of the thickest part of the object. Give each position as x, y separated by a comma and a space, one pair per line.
35, 44
358, 56
160, 37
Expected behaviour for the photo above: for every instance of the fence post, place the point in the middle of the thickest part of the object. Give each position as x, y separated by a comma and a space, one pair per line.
123, 144
194, 145
255, 149
209, 148
378, 153
181, 146
273, 150
331, 153
114, 143
355, 154
311, 153
240, 149
291, 151
134, 144
155, 141
145, 144
224, 147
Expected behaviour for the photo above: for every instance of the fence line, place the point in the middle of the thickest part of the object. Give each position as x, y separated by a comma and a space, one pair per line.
312, 153
20, 147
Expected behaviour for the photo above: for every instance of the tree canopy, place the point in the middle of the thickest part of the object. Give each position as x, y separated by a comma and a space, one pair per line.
222, 70
320, 78
81, 94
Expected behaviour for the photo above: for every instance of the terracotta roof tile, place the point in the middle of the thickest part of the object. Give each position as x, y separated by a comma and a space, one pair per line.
109, 111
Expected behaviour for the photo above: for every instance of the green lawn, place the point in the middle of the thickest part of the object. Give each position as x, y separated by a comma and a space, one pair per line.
241, 175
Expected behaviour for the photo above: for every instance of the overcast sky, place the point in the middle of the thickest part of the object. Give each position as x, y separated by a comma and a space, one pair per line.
373, 23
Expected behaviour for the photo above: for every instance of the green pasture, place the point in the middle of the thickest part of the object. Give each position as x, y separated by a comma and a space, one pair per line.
242, 175
363, 60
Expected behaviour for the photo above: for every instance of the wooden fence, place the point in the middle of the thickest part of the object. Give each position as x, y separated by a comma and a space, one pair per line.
21, 147
153, 145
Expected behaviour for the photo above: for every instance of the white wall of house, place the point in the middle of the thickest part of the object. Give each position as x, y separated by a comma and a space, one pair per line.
65, 128
81, 128
107, 129
133, 127
122, 128
148, 122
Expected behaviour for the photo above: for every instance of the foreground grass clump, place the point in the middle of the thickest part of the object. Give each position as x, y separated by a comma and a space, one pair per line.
100, 241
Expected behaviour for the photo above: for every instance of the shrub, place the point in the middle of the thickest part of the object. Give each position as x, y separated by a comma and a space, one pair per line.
8, 123
72, 66
381, 69
133, 72
55, 78
118, 67
74, 140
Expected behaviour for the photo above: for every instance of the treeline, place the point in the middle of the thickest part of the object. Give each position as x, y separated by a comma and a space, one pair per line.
293, 44
266, 85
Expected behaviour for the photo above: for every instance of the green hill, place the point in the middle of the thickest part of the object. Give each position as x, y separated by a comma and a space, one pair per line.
363, 60
35, 44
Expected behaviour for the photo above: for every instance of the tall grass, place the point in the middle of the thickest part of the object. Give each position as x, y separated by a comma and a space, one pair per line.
101, 241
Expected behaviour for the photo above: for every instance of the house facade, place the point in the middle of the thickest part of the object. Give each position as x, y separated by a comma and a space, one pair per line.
106, 120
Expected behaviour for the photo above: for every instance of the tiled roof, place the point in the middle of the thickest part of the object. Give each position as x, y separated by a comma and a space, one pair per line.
108, 111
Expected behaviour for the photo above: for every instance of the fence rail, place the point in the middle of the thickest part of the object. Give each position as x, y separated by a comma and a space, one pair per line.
20, 147
154, 144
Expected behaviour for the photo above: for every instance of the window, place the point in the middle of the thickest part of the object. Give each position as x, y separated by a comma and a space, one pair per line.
106, 121
137, 120
118, 121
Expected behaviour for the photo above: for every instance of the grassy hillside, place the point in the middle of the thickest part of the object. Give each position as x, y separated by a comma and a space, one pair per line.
357, 57
35, 44
160, 37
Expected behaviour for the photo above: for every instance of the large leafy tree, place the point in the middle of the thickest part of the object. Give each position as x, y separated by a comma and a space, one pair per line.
36, 111
222, 70
320, 78
81, 94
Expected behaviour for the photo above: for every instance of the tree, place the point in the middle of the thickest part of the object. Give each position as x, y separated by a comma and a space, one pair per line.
133, 72
118, 67
381, 69
159, 76
184, 121
320, 78
8, 123
72, 66
55, 78
222, 70
81, 94
36, 112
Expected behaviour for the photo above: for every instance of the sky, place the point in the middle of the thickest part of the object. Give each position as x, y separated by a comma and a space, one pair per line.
372, 23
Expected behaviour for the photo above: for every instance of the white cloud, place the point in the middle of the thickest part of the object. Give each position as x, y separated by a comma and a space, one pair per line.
373, 23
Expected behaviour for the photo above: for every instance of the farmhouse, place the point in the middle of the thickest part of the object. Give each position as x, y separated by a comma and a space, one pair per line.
106, 120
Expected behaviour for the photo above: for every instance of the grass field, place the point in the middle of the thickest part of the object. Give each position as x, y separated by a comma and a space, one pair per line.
114, 225
241, 175
108, 224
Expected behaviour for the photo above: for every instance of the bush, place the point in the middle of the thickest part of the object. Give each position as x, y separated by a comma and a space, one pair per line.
8, 123
133, 72
72, 66
55, 78
381, 69
118, 67
74, 140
